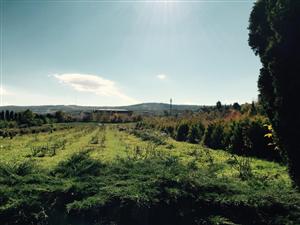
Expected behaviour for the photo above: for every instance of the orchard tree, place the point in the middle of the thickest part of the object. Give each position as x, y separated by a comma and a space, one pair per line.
274, 35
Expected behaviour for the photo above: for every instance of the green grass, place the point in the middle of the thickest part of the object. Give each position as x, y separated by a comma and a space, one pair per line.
105, 176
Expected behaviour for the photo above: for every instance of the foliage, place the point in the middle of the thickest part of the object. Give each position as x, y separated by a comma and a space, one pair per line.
196, 133
138, 191
22, 119
243, 166
215, 136
243, 135
77, 166
274, 36
133, 181
46, 128
247, 137
219, 106
149, 135
236, 106
182, 132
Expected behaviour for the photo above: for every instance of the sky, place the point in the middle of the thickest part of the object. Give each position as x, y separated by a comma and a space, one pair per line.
108, 53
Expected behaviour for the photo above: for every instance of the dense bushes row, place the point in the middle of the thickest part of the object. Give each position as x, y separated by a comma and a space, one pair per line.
192, 133
149, 136
181, 131
106, 117
244, 136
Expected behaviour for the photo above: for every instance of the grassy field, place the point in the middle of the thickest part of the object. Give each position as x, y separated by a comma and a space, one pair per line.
103, 174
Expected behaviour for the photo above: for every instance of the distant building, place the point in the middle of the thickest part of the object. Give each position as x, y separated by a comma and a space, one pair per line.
113, 111
105, 115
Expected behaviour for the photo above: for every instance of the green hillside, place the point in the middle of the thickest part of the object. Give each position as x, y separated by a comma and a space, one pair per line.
144, 107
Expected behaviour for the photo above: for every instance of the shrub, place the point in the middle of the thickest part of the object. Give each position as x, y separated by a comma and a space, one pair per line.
196, 132
247, 137
149, 135
243, 166
156, 190
78, 165
169, 130
215, 136
182, 132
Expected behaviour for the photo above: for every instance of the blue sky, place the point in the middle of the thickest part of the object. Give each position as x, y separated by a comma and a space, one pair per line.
126, 52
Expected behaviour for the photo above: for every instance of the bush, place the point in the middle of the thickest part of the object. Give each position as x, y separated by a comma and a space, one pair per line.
182, 132
247, 137
78, 165
196, 132
242, 135
169, 130
215, 136
149, 135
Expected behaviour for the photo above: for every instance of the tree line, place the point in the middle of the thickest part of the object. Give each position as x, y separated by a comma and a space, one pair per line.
27, 118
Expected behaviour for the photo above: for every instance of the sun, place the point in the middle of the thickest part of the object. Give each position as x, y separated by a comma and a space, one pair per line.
167, 8
165, 3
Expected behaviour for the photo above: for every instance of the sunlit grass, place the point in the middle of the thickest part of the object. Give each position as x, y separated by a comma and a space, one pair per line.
121, 145
101, 167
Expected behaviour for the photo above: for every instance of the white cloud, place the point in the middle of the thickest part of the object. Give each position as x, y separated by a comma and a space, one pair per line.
161, 76
93, 84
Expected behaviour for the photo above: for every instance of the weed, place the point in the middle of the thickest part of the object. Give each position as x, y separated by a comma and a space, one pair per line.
242, 165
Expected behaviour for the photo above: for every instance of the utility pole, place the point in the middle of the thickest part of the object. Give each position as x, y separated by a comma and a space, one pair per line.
171, 106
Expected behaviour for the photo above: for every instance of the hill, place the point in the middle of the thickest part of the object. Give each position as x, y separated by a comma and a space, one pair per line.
73, 109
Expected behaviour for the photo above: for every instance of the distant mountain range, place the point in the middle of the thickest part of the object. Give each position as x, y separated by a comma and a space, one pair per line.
73, 109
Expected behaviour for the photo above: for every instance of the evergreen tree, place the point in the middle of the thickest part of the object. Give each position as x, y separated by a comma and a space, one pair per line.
219, 105
2, 116
7, 115
194, 134
11, 115
253, 110
274, 36
182, 132
236, 106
